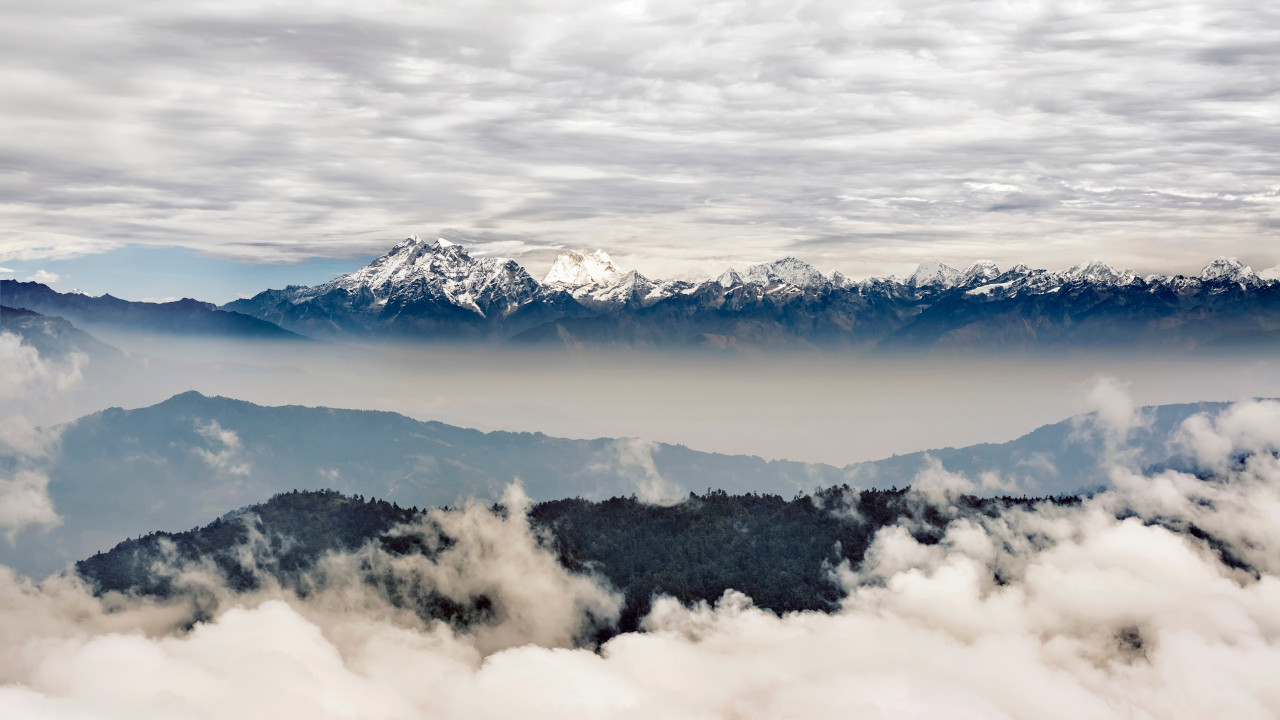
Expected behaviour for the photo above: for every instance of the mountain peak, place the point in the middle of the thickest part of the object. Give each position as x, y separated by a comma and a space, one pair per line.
416, 271
1226, 268
575, 269
1097, 271
788, 270
730, 278
932, 273
981, 272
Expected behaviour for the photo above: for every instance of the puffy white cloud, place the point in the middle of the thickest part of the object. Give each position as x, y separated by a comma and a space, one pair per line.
226, 452
24, 373
43, 276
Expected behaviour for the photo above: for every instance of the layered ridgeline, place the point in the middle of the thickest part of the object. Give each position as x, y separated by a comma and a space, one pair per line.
179, 317
428, 290
182, 462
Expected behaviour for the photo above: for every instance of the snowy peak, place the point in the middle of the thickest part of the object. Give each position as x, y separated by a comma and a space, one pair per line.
440, 271
630, 288
1097, 272
932, 273
980, 273
1227, 268
730, 278
574, 269
787, 271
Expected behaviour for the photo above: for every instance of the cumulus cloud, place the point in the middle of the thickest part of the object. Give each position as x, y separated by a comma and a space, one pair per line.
43, 276
680, 138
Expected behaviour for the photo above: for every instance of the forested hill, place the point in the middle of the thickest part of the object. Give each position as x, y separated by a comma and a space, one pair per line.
777, 551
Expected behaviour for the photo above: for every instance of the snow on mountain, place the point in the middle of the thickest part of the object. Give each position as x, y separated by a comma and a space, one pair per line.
627, 289
416, 269
1097, 272
932, 273
574, 269
730, 278
981, 272
840, 280
787, 271
1228, 268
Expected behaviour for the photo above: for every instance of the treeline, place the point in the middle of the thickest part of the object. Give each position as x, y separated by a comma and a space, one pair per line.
778, 551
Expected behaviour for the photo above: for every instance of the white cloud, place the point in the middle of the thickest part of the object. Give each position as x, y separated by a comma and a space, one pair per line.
23, 373
226, 452
26, 378
24, 500
635, 457
43, 276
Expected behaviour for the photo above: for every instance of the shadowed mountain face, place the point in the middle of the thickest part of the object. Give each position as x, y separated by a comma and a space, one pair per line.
434, 290
187, 460
181, 317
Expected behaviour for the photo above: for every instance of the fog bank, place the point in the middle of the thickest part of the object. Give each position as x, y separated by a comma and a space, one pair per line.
812, 408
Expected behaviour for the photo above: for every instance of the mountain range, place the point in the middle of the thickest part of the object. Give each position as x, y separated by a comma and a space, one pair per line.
185, 461
435, 290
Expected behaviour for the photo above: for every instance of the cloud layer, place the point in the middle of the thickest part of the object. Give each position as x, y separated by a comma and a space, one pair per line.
859, 136
1110, 608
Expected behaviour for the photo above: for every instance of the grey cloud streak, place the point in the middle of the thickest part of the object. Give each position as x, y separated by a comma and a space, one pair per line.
861, 137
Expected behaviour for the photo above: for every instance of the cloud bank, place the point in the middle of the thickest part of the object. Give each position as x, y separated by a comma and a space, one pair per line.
1158, 598
862, 137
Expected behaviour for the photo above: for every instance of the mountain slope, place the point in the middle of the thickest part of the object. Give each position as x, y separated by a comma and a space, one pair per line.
53, 337
777, 551
181, 317
185, 460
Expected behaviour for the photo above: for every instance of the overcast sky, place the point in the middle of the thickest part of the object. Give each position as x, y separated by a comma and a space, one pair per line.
863, 136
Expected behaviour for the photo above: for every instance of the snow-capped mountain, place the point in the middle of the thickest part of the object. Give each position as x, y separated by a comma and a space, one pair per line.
436, 289
932, 273
1097, 272
787, 271
574, 269
416, 270
979, 273
1229, 269
419, 287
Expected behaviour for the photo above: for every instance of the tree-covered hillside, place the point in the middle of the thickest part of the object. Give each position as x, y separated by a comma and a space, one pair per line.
779, 552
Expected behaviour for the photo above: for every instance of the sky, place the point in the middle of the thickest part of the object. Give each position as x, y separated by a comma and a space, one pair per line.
266, 143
